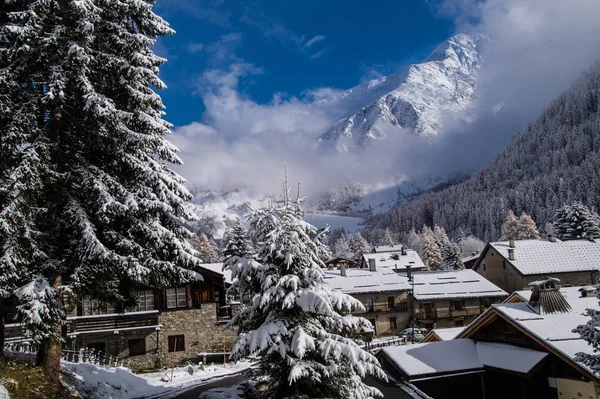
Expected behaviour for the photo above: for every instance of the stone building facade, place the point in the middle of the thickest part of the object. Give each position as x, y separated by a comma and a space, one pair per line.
168, 325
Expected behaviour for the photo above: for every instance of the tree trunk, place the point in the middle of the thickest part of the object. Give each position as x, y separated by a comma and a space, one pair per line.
2, 326
49, 351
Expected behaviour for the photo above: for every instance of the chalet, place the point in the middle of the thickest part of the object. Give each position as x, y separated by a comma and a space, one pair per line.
452, 298
524, 347
383, 292
396, 258
165, 325
512, 265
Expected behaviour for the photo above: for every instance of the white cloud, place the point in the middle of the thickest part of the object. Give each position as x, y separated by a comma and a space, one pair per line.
314, 40
318, 54
537, 49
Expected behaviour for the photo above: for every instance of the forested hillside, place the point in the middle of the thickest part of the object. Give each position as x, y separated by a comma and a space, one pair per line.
554, 161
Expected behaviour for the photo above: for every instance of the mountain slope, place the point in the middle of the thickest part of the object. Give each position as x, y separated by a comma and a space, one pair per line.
554, 161
418, 98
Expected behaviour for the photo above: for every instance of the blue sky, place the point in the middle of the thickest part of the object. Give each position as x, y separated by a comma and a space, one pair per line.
293, 46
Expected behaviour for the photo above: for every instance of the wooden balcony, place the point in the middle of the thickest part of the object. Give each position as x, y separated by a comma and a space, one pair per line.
469, 311
112, 323
379, 308
14, 333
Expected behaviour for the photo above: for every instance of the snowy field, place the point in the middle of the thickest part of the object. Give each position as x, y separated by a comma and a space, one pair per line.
96, 382
350, 224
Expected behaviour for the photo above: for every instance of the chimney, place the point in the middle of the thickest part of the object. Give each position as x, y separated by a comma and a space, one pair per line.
343, 270
546, 297
590, 236
551, 237
511, 242
403, 250
511, 253
372, 266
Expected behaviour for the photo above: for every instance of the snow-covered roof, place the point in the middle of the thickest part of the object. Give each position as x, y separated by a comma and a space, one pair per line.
395, 259
218, 268
460, 356
553, 330
388, 248
446, 334
454, 284
544, 257
357, 281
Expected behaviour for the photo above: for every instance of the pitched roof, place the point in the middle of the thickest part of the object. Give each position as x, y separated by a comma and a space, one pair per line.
553, 331
420, 361
218, 268
544, 257
443, 334
357, 281
454, 284
395, 259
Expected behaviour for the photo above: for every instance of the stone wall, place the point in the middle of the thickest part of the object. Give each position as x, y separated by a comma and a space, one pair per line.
201, 332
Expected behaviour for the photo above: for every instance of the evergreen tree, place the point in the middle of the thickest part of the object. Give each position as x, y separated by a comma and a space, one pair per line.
294, 321
415, 241
527, 228
99, 210
236, 242
440, 236
387, 238
510, 228
451, 257
575, 221
360, 246
590, 332
431, 250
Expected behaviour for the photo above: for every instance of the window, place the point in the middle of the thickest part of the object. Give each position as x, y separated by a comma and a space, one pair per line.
391, 302
145, 301
137, 346
91, 307
402, 307
484, 268
176, 298
176, 343
370, 305
393, 324
504, 264
458, 305
459, 323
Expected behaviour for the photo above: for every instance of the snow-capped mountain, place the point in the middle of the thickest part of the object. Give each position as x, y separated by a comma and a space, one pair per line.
445, 83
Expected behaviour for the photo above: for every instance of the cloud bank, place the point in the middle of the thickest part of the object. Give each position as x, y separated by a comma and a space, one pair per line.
537, 50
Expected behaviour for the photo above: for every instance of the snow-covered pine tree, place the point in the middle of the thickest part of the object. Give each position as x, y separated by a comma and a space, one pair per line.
90, 139
590, 332
387, 238
527, 229
451, 256
415, 241
510, 228
237, 242
440, 236
360, 246
431, 250
575, 221
294, 323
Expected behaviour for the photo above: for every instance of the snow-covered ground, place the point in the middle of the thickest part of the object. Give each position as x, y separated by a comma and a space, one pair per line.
182, 377
3, 393
350, 224
96, 382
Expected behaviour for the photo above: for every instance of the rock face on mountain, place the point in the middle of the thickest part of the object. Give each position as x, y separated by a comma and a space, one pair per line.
444, 84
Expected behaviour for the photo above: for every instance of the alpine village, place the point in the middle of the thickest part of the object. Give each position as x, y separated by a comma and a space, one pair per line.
156, 241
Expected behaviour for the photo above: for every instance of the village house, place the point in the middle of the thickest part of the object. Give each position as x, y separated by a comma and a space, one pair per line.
382, 291
397, 258
524, 347
443, 334
338, 261
166, 325
452, 298
512, 265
